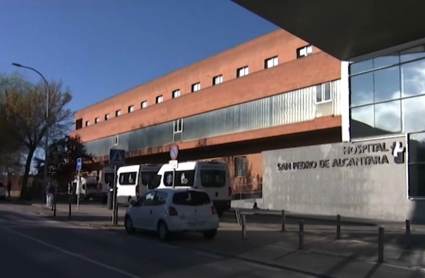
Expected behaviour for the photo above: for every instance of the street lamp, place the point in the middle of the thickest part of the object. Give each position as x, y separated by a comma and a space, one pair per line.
47, 118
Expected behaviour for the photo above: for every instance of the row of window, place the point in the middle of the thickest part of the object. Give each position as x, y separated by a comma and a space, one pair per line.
216, 80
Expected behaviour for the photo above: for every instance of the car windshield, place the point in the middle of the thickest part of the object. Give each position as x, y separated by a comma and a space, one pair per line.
191, 198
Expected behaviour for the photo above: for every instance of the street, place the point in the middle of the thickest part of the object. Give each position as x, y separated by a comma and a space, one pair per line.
32, 246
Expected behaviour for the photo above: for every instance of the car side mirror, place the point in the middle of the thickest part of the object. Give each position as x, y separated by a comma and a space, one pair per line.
133, 202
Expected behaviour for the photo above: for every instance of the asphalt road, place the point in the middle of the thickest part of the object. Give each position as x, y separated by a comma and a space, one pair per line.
32, 246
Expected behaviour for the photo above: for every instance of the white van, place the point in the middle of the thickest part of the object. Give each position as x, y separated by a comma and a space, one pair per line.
134, 181
211, 177
107, 181
88, 187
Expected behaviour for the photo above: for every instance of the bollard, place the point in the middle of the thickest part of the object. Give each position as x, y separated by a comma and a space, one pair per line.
283, 220
69, 206
407, 227
381, 245
408, 233
54, 206
301, 236
243, 226
338, 226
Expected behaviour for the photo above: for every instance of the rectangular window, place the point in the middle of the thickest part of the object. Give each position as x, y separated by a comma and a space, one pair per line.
191, 198
304, 51
176, 93
78, 124
128, 178
323, 92
178, 125
241, 166
130, 108
196, 87
242, 71
96, 120
106, 117
144, 104
217, 79
117, 113
416, 165
87, 123
213, 178
159, 99
182, 178
271, 62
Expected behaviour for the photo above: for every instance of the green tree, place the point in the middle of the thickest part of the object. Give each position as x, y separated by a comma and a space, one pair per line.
25, 107
63, 155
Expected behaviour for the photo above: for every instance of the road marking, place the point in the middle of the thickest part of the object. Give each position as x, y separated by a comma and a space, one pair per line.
72, 254
261, 266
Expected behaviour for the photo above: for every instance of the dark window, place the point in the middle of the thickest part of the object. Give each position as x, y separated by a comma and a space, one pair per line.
182, 178
128, 178
241, 166
79, 124
160, 198
109, 179
178, 125
117, 113
213, 178
147, 178
191, 198
417, 165
1, 184
156, 182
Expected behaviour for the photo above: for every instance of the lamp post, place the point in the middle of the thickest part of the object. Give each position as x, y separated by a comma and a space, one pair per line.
47, 119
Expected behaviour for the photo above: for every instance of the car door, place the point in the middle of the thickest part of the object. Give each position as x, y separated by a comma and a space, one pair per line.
158, 208
136, 212
146, 211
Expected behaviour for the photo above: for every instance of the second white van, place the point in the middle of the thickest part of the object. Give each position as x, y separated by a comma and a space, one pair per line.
211, 177
134, 181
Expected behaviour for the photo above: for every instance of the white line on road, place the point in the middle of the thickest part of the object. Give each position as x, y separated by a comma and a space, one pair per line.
124, 273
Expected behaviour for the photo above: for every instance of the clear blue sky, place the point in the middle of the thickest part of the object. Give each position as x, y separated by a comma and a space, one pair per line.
102, 48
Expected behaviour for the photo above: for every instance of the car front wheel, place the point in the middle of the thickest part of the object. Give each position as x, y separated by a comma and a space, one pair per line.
129, 225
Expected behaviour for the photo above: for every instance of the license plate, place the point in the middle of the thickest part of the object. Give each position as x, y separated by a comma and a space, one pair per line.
196, 223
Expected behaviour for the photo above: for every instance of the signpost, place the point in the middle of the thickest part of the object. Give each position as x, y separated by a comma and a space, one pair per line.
78, 189
174, 152
116, 159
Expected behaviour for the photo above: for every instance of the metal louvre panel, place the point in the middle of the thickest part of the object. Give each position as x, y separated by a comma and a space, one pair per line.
286, 108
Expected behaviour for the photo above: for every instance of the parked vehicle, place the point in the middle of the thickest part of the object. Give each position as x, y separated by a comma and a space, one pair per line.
88, 187
212, 177
107, 181
134, 181
173, 210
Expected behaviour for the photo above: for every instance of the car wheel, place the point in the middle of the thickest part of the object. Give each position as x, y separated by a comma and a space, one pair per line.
220, 212
163, 232
129, 225
210, 234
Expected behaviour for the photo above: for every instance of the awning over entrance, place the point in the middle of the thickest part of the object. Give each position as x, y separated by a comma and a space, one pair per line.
345, 29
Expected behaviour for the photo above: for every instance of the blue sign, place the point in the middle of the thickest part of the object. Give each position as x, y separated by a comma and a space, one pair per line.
79, 164
116, 157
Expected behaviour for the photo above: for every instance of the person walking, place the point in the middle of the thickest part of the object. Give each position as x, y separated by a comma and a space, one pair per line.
9, 188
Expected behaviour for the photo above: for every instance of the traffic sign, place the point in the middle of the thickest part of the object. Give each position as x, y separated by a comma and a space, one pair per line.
174, 152
79, 164
174, 164
116, 157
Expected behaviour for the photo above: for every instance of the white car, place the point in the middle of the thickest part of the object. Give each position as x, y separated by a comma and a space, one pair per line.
2, 191
173, 210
